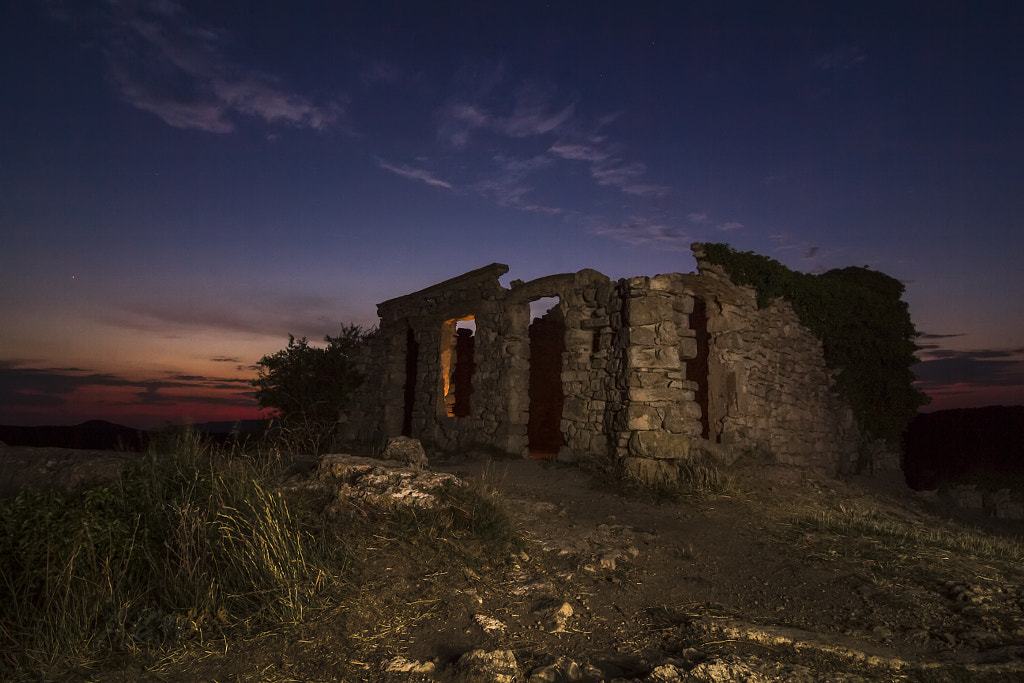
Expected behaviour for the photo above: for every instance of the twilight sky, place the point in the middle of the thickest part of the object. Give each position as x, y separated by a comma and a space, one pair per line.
182, 184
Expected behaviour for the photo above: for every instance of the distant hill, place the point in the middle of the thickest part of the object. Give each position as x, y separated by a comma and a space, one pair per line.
97, 435
948, 445
101, 435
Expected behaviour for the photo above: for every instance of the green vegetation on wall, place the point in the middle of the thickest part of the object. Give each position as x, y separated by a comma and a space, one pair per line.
864, 327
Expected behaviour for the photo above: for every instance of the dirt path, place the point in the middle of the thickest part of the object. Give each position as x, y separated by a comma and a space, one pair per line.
751, 566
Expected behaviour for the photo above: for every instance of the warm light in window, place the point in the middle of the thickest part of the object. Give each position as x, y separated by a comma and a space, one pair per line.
449, 334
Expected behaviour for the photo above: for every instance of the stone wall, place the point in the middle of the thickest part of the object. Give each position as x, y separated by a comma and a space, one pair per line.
770, 388
654, 371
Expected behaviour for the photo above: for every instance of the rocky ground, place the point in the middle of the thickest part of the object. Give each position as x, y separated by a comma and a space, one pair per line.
784, 576
751, 584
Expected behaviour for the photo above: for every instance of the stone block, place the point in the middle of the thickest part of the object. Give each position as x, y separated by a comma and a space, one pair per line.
688, 347
652, 356
642, 417
660, 445
643, 335
684, 304
652, 379
666, 333
661, 283
718, 324
729, 436
575, 338
678, 415
652, 394
651, 472
637, 282
647, 310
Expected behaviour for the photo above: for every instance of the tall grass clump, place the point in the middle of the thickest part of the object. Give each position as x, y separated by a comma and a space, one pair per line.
191, 541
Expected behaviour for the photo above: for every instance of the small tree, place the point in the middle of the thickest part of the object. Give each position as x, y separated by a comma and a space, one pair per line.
307, 385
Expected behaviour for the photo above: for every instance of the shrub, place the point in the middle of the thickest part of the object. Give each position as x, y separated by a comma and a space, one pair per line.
305, 386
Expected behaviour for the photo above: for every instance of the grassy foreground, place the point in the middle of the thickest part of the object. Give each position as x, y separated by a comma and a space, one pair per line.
195, 544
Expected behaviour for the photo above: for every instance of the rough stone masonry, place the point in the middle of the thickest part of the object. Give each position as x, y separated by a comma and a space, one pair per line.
641, 373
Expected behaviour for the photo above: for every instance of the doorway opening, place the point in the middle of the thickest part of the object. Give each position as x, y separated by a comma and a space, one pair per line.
547, 343
457, 364
412, 356
697, 367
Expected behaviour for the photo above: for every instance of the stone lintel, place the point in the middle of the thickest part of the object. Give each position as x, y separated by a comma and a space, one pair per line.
480, 276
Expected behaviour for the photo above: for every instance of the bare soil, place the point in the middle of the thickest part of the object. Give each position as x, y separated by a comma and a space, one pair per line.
622, 582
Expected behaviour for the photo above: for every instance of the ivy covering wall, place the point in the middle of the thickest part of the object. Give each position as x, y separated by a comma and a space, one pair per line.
863, 324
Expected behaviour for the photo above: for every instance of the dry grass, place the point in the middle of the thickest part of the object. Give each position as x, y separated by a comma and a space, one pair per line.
197, 549
906, 536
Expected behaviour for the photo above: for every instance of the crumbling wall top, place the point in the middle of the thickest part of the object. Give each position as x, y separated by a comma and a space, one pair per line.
482, 280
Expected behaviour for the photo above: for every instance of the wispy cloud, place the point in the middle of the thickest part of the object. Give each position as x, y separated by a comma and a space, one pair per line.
839, 59
943, 370
627, 177
456, 121
578, 151
928, 341
418, 174
639, 231
275, 315
697, 218
510, 178
163, 61
22, 387
509, 186
533, 113
381, 72
606, 167
728, 226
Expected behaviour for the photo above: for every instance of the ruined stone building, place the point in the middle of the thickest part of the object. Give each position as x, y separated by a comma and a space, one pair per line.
641, 372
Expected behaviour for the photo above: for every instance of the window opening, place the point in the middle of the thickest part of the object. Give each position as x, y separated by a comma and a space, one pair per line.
547, 343
457, 365
412, 354
697, 367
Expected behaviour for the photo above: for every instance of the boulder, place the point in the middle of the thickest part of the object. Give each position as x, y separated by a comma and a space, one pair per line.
377, 482
405, 450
